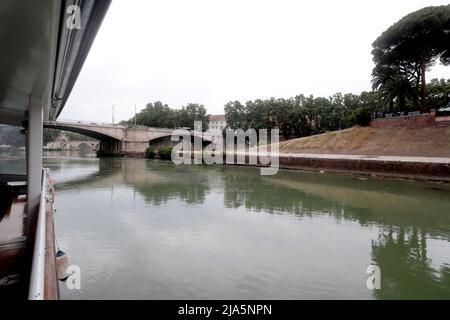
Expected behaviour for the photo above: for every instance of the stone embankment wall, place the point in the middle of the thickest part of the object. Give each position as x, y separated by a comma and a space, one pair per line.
422, 120
434, 171
415, 170
413, 121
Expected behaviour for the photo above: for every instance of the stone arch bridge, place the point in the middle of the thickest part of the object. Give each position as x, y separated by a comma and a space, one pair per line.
116, 140
87, 145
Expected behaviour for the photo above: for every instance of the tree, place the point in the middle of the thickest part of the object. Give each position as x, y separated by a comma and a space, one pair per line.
412, 45
393, 86
236, 115
438, 93
160, 115
190, 113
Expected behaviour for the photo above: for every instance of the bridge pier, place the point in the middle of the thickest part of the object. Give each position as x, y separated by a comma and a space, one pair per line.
116, 148
110, 148
134, 148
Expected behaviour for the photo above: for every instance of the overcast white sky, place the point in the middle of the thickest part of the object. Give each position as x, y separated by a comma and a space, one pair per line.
214, 51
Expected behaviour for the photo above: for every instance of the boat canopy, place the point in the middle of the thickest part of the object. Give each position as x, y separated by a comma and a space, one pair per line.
43, 47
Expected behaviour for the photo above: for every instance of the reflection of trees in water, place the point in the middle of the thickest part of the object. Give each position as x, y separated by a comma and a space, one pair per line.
109, 166
255, 193
188, 184
406, 271
192, 191
368, 202
410, 213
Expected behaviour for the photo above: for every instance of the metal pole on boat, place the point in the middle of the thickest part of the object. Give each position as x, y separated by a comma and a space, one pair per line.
35, 197
37, 276
34, 160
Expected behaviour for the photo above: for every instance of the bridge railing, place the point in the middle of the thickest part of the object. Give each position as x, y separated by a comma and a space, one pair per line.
89, 123
103, 124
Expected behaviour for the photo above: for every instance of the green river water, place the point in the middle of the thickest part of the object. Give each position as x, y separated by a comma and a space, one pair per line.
142, 229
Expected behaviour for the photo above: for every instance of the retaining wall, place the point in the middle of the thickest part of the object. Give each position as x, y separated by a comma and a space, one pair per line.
423, 120
402, 169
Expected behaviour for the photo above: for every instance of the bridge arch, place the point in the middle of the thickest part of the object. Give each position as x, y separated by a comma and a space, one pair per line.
110, 136
97, 133
85, 146
165, 139
168, 134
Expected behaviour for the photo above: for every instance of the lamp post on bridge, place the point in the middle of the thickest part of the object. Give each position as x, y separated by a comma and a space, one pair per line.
112, 114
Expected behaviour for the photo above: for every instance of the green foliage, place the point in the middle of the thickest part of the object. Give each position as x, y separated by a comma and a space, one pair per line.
394, 87
235, 115
438, 93
302, 116
422, 34
150, 152
165, 153
161, 115
404, 52
73, 136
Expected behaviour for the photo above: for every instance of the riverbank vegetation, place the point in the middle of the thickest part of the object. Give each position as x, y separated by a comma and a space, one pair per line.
301, 116
297, 116
150, 152
163, 152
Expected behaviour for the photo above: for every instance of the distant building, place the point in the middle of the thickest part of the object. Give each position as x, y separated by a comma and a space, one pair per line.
217, 122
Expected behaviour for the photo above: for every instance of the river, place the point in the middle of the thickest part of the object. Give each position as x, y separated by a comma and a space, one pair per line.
143, 229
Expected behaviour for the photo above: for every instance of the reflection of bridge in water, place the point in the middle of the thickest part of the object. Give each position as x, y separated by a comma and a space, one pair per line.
116, 140
156, 186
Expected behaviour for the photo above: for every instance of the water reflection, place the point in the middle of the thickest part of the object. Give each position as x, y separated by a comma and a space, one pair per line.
313, 237
410, 274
